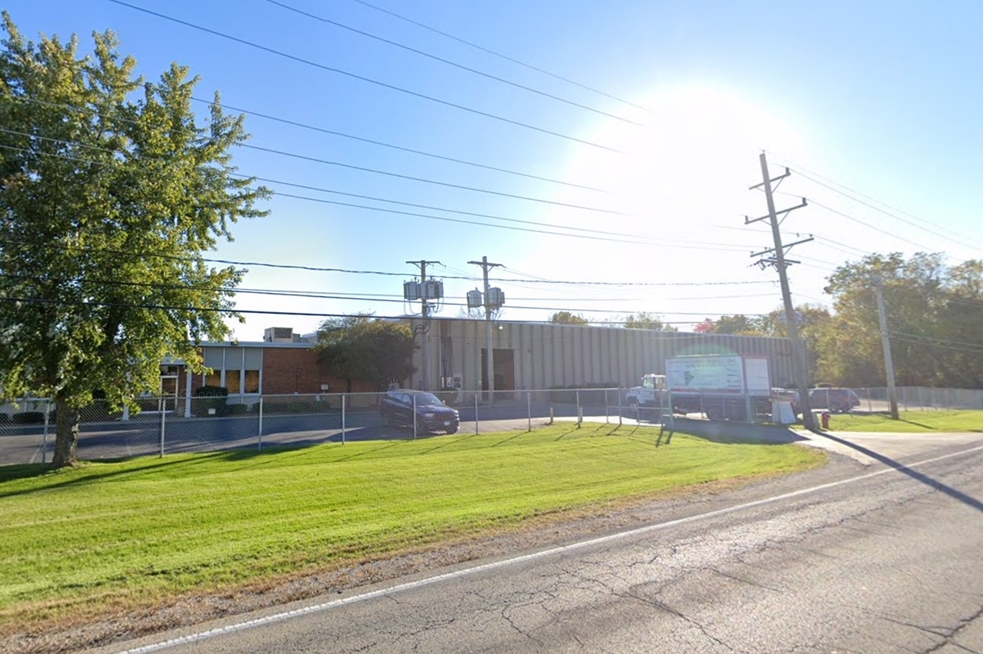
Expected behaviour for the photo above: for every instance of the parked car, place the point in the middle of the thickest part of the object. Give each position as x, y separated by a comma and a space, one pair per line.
836, 400
397, 409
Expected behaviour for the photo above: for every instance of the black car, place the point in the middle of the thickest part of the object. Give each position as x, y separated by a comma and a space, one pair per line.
836, 400
398, 406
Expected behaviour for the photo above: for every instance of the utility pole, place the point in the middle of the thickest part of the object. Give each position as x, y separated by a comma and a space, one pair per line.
778, 259
424, 312
489, 373
893, 401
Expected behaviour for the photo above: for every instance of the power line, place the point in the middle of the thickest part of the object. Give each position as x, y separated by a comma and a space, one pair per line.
857, 194
474, 189
937, 340
434, 57
353, 137
363, 78
428, 206
285, 266
861, 222
499, 55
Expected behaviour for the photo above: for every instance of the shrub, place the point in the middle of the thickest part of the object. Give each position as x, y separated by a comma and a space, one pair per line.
28, 417
236, 409
210, 397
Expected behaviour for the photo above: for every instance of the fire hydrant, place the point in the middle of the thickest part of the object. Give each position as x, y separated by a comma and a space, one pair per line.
825, 420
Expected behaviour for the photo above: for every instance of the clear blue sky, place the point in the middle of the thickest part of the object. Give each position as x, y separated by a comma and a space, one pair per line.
880, 100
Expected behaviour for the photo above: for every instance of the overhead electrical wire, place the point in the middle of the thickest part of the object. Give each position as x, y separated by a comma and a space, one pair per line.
474, 189
363, 78
361, 139
449, 62
328, 162
631, 240
423, 153
500, 55
855, 195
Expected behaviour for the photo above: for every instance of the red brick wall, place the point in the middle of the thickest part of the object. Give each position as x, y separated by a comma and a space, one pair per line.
288, 370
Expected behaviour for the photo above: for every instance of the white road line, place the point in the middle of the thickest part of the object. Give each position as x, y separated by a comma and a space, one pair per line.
325, 606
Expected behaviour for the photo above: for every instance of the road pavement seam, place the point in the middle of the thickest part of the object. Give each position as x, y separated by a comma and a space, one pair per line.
419, 583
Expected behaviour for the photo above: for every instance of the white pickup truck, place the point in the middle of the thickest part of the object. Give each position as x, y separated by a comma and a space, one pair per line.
650, 393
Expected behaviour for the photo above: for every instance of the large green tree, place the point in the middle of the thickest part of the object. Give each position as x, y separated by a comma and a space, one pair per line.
933, 312
366, 349
111, 190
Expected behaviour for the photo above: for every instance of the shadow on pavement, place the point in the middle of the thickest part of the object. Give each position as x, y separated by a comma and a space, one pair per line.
914, 474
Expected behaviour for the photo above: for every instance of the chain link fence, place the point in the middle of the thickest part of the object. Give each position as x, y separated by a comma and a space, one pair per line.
170, 426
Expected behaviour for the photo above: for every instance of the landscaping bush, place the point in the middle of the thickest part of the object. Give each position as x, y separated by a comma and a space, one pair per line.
236, 409
210, 401
29, 417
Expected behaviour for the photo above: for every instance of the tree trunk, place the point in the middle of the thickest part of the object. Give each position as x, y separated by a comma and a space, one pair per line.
66, 435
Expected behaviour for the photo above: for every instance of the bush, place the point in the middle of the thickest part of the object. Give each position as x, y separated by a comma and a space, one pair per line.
210, 400
236, 409
28, 417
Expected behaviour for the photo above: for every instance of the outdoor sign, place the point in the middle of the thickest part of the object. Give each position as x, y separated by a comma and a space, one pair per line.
757, 379
713, 374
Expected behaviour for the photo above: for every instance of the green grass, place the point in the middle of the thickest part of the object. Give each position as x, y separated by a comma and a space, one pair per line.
909, 421
111, 535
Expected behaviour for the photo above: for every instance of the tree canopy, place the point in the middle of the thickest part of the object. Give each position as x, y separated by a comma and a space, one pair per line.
568, 318
110, 193
645, 320
367, 349
933, 313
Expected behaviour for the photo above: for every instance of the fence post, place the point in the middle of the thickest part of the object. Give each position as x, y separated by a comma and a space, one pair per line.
577, 399
529, 410
44, 438
259, 432
476, 412
343, 418
606, 406
162, 433
619, 406
414, 416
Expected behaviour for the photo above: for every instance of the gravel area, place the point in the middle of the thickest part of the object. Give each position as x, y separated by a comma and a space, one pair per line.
540, 532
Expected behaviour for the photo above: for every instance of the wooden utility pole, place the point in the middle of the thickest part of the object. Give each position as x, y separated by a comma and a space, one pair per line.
893, 401
779, 260
424, 312
489, 371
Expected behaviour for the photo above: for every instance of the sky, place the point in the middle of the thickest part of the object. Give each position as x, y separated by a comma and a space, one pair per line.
603, 151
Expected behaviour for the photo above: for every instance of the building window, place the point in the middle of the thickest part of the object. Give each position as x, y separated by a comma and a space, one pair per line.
232, 382
251, 381
214, 378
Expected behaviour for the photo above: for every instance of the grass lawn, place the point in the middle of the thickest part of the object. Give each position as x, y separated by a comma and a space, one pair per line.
110, 536
909, 421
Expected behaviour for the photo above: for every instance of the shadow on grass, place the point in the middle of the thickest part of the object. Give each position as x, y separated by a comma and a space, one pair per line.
914, 474
737, 432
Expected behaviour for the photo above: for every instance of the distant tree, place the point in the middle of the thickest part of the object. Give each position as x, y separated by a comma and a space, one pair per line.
366, 349
933, 312
111, 191
736, 324
704, 327
813, 323
645, 320
568, 318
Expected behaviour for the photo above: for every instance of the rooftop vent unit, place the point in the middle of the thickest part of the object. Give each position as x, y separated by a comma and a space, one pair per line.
278, 335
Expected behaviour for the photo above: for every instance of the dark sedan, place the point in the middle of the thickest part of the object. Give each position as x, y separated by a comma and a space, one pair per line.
398, 408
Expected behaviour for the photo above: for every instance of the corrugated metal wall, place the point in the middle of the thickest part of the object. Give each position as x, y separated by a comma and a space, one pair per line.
551, 356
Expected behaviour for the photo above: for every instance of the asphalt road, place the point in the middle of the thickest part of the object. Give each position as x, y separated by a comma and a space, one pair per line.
880, 553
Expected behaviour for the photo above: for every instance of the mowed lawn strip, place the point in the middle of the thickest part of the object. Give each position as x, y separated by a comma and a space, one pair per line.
909, 421
131, 533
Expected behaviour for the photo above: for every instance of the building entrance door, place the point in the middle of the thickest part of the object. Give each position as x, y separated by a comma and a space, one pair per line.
169, 393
